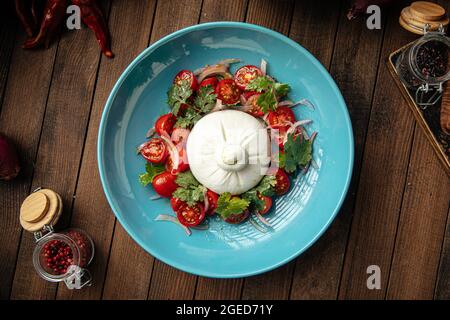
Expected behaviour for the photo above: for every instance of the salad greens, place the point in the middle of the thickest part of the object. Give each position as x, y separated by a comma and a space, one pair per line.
151, 171
228, 205
270, 89
189, 190
297, 152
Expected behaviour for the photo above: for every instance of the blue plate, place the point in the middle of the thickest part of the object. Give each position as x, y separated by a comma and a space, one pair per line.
298, 218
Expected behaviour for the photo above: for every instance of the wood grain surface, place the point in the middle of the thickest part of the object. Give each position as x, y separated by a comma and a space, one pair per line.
395, 214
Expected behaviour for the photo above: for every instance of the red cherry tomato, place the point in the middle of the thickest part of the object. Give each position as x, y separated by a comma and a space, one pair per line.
186, 75
209, 82
283, 182
180, 136
267, 204
191, 215
212, 202
246, 74
228, 91
254, 109
237, 218
155, 150
164, 184
183, 164
176, 203
248, 94
165, 123
280, 117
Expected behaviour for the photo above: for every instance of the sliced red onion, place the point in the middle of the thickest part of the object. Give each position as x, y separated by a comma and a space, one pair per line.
166, 217
265, 117
257, 226
150, 132
218, 106
173, 151
285, 103
206, 202
305, 102
139, 149
263, 67
293, 126
314, 164
227, 62
243, 100
199, 70
201, 227
244, 108
262, 219
153, 198
313, 136
217, 69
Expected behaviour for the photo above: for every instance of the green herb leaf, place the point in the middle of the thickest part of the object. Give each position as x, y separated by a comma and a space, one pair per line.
255, 203
186, 179
188, 120
270, 90
281, 89
206, 99
191, 194
267, 101
260, 84
266, 187
298, 152
227, 205
179, 94
152, 170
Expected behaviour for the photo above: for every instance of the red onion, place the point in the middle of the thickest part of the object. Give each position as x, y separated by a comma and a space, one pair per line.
9, 162
166, 217
359, 7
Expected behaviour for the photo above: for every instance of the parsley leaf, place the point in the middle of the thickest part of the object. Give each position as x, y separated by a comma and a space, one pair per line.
256, 203
152, 171
227, 205
298, 152
178, 94
206, 99
191, 195
189, 190
188, 120
186, 179
270, 91
266, 187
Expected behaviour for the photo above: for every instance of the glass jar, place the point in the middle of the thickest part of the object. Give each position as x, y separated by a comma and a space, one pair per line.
58, 256
423, 66
64, 256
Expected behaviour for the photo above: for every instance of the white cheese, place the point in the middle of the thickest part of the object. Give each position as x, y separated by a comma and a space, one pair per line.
228, 151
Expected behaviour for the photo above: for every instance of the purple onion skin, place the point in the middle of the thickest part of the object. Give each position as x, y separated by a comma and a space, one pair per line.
359, 7
9, 162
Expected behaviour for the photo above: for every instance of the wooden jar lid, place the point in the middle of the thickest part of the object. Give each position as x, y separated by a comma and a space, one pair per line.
40, 208
420, 13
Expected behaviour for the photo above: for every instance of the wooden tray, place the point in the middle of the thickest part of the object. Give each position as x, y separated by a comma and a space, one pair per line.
428, 119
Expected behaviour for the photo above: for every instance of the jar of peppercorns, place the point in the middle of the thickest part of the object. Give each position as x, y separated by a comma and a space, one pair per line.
58, 256
423, 66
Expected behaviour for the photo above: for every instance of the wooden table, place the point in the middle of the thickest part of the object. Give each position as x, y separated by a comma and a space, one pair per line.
395, 214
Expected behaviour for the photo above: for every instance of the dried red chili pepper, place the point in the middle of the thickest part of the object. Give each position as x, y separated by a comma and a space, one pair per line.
54, 13
92, 16
28, 24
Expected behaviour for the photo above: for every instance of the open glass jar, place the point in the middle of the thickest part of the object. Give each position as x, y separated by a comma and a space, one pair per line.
58, 256
423, 66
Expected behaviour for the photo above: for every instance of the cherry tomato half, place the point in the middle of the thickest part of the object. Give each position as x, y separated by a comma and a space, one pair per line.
283, 182
280, 117
164, 184
179, 136
237, 218
186, 75
254, 109
165, 123
155, 150
183, 163
228, 91
267, 204
191, 215
246, 74
176, 203
209, 82
212, 202
248, 94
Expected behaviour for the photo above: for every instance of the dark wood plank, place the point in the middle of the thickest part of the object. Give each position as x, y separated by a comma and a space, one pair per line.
421, 226
354, 67
8, 29
442, 291
382, 180
91, 211
61, 144
275, 15
25, 94
232, 10
208, 288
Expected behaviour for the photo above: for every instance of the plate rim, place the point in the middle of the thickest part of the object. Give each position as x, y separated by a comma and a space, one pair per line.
130, 68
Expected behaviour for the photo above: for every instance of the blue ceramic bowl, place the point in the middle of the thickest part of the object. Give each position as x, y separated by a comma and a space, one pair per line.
298, 218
